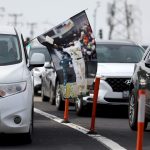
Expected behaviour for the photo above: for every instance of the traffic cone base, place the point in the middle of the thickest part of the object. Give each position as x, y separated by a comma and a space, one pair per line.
140, 135
92, 132
66, 115
96, 90
65, 121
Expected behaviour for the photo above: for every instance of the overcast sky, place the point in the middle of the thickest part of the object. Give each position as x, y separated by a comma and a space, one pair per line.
48, 13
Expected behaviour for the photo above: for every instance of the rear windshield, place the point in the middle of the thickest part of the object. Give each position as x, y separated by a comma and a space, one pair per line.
40, 50
107, 53
9, 50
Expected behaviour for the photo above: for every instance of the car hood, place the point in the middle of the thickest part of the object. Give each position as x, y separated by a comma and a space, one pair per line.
115, 69
11, 73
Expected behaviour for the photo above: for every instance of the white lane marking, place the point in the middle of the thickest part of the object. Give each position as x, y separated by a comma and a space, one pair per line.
103, 140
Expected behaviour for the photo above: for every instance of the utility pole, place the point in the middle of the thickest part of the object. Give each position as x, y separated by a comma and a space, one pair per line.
15, 17
129, 19
133, 17
2, 10
110, 21
95, 15
32, 27
117, 20
122, 20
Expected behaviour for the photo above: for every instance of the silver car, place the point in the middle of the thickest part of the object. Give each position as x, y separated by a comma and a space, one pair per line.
116, 61
37, 72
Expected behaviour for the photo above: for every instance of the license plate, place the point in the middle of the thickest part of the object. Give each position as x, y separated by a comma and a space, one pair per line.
125, 94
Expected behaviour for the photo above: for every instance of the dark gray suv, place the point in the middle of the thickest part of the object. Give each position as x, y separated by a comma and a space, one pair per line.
140, 80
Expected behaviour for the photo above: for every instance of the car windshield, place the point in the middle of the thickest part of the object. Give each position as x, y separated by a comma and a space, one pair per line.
40, 50
9, 50
110, 53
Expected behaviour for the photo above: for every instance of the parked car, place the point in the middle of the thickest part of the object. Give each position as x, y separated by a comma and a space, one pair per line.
51, 88
116, 61
49, 79
140, 80
16, 84
37, 72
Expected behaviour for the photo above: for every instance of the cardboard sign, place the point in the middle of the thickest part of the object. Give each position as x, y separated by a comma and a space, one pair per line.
73, 50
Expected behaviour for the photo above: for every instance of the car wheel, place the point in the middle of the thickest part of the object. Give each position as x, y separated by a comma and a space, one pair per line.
58, 98
44, 98
35, 92
52, 97
79, 106
133, 112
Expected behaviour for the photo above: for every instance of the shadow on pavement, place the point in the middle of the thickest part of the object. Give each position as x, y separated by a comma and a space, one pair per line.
111, 111
108, 111
11, 140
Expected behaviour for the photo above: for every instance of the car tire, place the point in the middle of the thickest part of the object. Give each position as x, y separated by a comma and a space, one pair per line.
35, 92
52, 96
44, 98
133, 112
79, 108
58, 98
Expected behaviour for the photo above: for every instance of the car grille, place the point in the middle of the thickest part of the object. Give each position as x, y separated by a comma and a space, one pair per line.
118, 84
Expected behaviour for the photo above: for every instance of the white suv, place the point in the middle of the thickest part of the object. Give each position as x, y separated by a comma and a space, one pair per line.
16, 83
116, 60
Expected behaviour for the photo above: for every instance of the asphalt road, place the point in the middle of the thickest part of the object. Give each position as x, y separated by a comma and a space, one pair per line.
49, 134
111, 122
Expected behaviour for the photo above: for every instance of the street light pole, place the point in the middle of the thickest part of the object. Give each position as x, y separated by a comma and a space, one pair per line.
94, 16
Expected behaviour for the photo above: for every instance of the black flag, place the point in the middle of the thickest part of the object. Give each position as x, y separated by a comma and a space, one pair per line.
73, 50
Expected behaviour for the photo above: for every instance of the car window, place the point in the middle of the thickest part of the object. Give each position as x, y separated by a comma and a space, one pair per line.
9, 50
40, 50
111, 53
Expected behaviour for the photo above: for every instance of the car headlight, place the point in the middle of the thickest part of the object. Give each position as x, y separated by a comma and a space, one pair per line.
11, 89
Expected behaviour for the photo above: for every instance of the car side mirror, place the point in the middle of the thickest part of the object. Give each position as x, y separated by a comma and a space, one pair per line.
147, 63
48, 66
36, 60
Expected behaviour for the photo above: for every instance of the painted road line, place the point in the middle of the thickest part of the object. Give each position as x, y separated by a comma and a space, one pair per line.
103, 140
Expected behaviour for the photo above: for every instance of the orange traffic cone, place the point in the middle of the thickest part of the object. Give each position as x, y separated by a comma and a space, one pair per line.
141, 119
